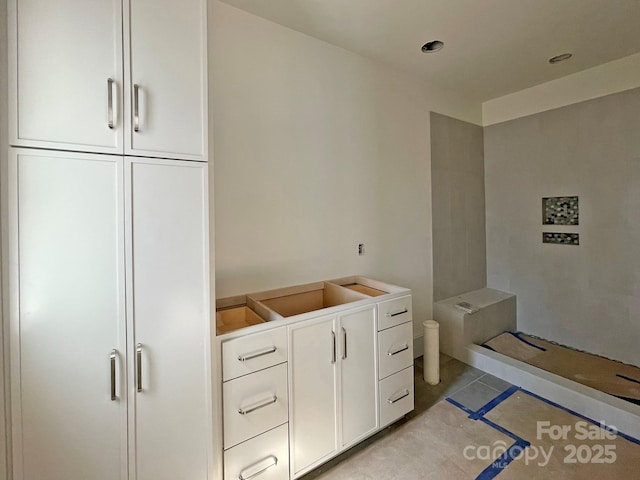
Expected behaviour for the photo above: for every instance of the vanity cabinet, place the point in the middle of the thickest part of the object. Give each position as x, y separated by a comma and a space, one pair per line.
333, 385
110, 335
112, 76
348, 348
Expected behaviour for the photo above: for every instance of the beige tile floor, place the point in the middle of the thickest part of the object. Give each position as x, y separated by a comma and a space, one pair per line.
438, 440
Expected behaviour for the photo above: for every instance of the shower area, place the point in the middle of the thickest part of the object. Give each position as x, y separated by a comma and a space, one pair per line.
552, 219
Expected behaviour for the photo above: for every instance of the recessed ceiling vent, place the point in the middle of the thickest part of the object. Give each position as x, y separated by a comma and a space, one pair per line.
432, 46
560, 58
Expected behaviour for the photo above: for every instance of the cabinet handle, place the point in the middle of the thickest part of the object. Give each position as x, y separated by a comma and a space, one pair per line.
401, 349
388, 314
258, 406
110, 103
397, 399
344, 343
136, 108
334, 354
139, 367
258, 353
112, 367
259, 467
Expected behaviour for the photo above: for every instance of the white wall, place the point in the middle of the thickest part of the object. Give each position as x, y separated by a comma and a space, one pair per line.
457, 195
315, 150
585, 296
612, 77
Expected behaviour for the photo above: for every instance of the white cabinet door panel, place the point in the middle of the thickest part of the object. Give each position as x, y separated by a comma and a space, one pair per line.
313, 413
64, 52
168, 64
169, 318
67, 268
358, 379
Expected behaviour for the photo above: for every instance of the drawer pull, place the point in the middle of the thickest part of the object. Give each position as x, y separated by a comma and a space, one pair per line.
401, 349
344, 344
258, 467
110, 103
258, 353
334, 351
112, 368
257, 406
397, 399
136, 107
388, 314
139, 367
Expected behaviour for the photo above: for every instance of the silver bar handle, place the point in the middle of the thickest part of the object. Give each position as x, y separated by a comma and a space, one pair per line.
405, 393
243, 357
258, 406
110, 103
112, 368
259, 467
136, 107
401, 349
139, 367
344, 344
389, 314
334, 354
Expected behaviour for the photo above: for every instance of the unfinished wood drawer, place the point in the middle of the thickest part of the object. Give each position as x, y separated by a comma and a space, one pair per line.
394, 312
262, 457
251, 353
254, 403
288, 302
395, 349
396, 396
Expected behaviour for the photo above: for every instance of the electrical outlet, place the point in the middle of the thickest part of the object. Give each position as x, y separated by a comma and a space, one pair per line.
361, 249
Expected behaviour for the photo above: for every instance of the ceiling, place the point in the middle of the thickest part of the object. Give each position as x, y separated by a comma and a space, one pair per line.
492, 47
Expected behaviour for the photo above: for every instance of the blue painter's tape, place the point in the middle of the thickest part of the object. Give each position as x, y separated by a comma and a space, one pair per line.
504, 431
553, 404
502, 461
494, 403
517, 335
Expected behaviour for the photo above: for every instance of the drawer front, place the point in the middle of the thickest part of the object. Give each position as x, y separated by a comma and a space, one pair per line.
396, 396
249, 354
394, 312
395, 349
267, 453
254, 403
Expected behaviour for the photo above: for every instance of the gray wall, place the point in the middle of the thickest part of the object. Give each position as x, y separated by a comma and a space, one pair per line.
585, 296
458, 209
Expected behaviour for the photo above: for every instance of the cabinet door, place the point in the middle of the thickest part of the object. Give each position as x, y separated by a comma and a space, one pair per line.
62, 55
313, 413
67, 316
166, 75
358, 379
168, 315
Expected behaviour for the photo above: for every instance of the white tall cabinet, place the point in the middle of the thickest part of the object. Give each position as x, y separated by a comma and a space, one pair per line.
109, 76
110, 340
167, 245
68, 331
109, 249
